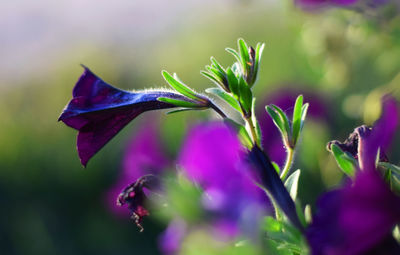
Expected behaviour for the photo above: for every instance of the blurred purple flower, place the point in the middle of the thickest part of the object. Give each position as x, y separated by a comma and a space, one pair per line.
359, 218
99, 111
365, 142
354, 4
170, 241
312, 4
356, 219
285, 99
213, 157
143, 155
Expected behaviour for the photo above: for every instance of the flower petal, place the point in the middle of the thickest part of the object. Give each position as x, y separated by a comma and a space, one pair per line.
355, 219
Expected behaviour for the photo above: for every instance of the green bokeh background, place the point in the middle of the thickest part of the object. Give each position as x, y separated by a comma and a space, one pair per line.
52, 205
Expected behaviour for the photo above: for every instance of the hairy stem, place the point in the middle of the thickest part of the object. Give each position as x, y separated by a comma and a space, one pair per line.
288, 163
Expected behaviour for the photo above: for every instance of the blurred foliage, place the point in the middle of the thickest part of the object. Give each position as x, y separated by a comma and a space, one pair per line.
51, 205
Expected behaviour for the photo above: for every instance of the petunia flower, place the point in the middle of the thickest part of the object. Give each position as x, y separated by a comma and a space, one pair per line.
359, 218
365, 142
99, 111
356, 219
213, 157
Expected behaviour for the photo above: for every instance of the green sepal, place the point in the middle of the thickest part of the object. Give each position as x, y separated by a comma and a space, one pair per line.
179, 86
179, 103
276, 166
181, 110
344, 161
225, 96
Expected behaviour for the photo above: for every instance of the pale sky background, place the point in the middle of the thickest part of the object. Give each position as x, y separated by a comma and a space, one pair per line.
34, 32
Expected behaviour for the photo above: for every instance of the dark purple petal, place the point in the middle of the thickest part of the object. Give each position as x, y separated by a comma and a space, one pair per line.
135, 197
143, 155
363, 144
99, 111
273, 183
355, 219
370, 141
213, 157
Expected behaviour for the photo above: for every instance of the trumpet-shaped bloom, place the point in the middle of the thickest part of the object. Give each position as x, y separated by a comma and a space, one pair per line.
357, 219
99, 111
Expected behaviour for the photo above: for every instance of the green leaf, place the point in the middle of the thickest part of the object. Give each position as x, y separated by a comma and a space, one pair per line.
217, 74
217, 65
225, 96
297, 114
234, 53
244, 54
254, 120
242, 133
344, 161
276, 119
211, 77
304, 110
259, 51
233, 82
179, 103
284, 118
291, 184
179, 86
246, 96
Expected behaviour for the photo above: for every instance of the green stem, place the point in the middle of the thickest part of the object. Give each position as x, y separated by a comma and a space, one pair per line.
288, 163
253, 132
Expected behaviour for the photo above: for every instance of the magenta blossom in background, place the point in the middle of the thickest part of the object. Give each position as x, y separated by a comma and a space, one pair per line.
213, 157
143, 155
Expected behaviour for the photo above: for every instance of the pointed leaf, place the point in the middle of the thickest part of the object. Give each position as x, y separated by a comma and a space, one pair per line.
297, 114
225, 96
232, 82
246, 96
345, 162
179, 86
276, 119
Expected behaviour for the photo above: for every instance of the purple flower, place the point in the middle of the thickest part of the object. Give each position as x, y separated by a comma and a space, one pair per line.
322, 3
359, 218
356, 219
143, 156
213, 157
99, 111
365, 142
